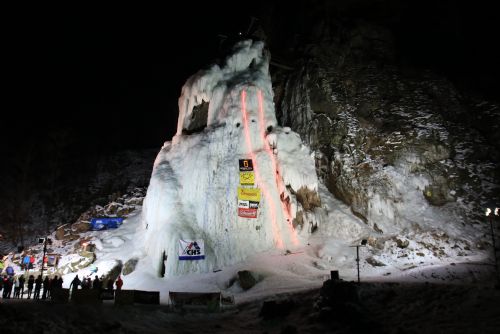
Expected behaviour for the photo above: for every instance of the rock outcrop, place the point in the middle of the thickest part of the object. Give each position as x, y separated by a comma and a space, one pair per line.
401, 148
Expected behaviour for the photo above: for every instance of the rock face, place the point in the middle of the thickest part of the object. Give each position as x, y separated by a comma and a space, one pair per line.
247, 279
60, 232
91, 180
81, 226
116, 267
400, 148
129, 266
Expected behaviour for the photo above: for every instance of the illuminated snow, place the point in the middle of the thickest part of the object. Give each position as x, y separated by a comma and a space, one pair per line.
193, 188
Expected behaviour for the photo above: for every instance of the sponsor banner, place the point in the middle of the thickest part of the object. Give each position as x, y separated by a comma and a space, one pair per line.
249, 194
253, 205
247, 213
248, 204
52, 260
247, 178
243, 204
246, 165
191, 250
97, 224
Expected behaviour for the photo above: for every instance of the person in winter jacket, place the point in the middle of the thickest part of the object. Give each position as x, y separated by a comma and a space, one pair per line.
75, 283
97, 284
46, 283
10, 286
31, 282
119, 283
7, 286
21, 286
16, 287
38, 287
86, 283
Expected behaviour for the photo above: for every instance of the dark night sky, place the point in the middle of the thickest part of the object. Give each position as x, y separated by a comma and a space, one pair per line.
112, 76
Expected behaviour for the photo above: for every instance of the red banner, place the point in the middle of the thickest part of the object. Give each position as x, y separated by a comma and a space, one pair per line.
247, 213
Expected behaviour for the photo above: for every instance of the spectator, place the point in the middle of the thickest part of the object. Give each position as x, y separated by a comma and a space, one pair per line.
31, 282
86, 283
38, 287
45, 287
21, 286
54, 284
7, 286
16, 287
119, 283
75, 283
97, 284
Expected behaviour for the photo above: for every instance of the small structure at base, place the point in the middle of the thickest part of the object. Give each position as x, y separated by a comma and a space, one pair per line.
129, 297
59, 295
86, 296
147, 297
124, 297
210, 301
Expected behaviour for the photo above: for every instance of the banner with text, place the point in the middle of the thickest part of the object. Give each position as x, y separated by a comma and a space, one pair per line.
247, 178
191, 250
249, 194
246, 165
248, 204
247, 213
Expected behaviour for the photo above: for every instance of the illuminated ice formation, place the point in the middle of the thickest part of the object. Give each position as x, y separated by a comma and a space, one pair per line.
193, 189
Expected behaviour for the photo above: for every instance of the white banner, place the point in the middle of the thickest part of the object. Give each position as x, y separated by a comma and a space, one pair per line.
191, 249
243, 204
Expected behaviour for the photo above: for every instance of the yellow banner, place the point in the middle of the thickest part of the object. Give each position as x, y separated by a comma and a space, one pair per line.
247, 178
249, 194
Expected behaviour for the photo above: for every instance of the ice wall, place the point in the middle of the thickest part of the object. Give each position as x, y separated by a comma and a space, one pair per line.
193, 188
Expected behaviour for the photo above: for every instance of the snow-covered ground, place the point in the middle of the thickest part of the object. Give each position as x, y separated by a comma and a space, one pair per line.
454, 295
278, 271
382, 308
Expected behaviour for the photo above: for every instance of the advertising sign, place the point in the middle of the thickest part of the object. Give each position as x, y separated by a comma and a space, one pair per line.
248, 204
98, 224
247, 178
249, 194
191, 250
52, 260
247, 213
243, 204
246, 165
